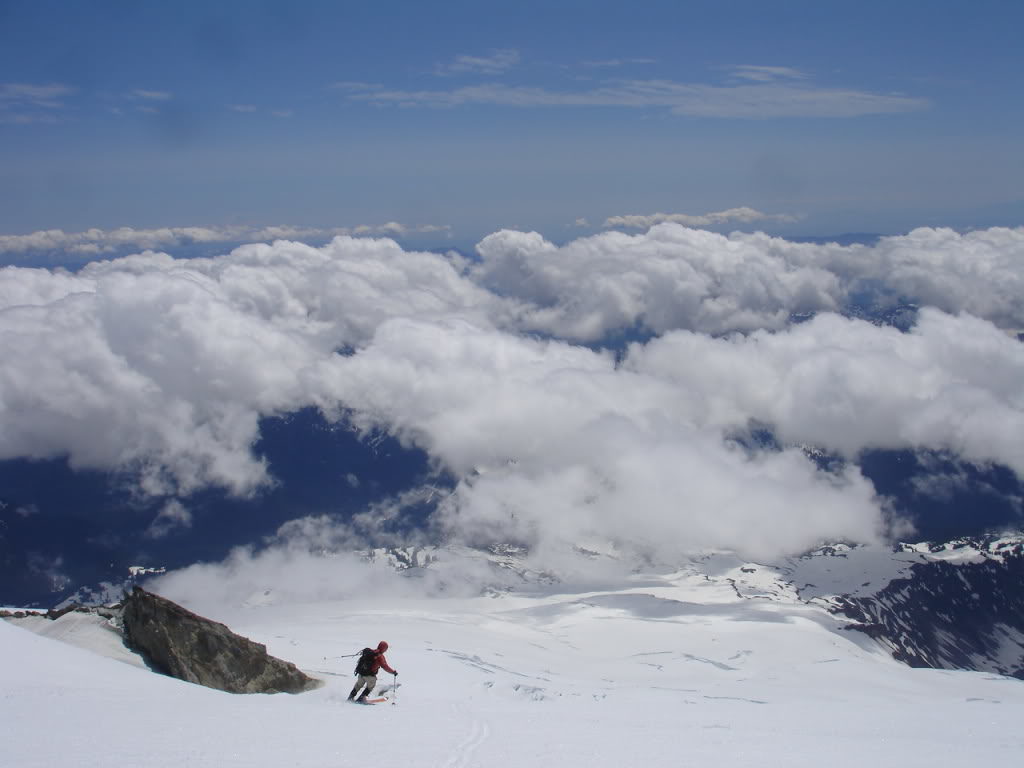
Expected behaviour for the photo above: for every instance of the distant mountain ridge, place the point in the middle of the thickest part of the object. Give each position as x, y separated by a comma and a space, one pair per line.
949, 605
950, 614
956, 605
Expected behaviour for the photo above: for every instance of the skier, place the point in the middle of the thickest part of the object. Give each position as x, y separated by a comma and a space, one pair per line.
366, 670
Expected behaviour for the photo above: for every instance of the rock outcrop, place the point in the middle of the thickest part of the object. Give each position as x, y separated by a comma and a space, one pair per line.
181, 644
952, 615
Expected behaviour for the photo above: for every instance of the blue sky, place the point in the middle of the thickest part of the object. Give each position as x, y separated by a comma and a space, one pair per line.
464, 117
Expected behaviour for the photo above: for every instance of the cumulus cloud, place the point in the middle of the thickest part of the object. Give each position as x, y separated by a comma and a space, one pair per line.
670, 277
743, 215
100, 241
952, 383
163, 367
558, 445
980, 272
677, 277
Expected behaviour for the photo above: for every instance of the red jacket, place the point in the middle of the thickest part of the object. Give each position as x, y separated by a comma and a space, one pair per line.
379, 661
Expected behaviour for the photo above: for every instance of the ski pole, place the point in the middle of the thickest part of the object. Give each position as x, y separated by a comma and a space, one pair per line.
394, 699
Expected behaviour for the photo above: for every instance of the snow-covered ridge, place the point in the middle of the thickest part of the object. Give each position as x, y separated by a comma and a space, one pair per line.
720, 657
832, 570
745, 663
950, 605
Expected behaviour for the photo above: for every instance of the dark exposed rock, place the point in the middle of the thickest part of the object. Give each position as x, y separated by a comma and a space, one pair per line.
181, 644
55, 613
967, 615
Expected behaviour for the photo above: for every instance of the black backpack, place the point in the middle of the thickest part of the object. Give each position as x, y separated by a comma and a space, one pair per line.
365, 664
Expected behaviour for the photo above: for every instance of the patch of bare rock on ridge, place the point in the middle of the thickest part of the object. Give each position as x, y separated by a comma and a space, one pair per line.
178, 643
187, 646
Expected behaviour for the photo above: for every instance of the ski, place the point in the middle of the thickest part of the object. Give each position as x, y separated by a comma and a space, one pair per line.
381, 700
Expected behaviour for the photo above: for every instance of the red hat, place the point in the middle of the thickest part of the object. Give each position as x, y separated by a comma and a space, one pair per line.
383, 646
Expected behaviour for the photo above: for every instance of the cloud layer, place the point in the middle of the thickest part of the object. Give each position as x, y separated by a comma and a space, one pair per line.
497, 62
674, 277
761, 92
25, 103
161, 368
173, 362
743, 215
101, 241
560, 445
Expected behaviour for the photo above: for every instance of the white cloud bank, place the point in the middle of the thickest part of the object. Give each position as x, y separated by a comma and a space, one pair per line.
674, 277
101, 241
163, 367
670, 277
575, 449
951, 383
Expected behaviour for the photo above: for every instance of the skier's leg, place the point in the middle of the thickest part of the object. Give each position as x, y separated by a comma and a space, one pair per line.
361, 682
371, 683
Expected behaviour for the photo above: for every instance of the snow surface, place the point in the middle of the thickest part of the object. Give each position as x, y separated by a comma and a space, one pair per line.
85, 630
667, 670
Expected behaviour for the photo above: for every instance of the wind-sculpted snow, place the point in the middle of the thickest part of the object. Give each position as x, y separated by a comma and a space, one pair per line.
161, 370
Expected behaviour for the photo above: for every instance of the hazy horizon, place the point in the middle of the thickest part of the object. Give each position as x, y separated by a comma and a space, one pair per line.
458, 119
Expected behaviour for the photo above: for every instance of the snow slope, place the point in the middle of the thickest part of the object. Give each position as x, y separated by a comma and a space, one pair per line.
672, 670
84, 630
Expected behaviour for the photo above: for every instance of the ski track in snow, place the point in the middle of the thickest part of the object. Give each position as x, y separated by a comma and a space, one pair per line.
464, 751
476, 662
734, 698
